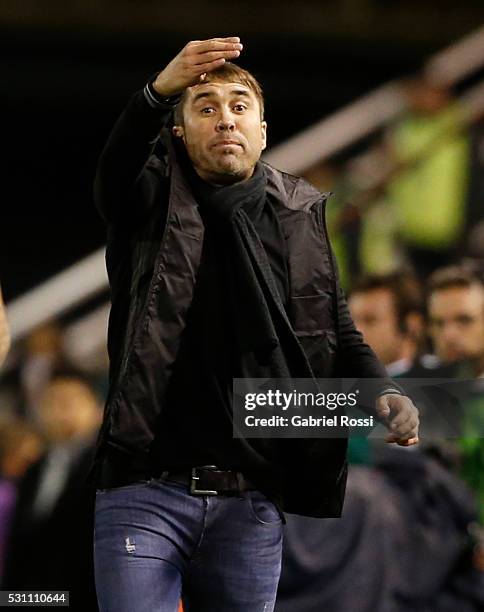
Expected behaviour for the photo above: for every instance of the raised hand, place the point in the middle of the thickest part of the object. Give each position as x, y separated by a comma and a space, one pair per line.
196, 58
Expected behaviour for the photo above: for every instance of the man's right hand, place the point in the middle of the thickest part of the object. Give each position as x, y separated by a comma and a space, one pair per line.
196, 58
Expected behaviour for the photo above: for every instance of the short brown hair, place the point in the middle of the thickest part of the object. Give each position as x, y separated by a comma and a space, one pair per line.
452, 276
226, 73
404, 287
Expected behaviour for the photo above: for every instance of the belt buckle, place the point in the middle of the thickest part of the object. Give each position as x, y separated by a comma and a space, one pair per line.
194, 478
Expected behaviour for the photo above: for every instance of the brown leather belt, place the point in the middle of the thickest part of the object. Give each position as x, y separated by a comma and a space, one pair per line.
209, 480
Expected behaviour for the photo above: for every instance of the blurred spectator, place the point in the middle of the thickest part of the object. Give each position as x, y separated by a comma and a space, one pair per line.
401, 544
456, 317
409, 501
428, 194
456, 313
404, 200
42, 354
35, 358
50, 546
4, 331
345, 564
388, 310
438, 572
20, 446
375, 246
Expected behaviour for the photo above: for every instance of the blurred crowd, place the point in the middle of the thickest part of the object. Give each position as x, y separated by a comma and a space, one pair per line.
411, 196
50, 415
407, 225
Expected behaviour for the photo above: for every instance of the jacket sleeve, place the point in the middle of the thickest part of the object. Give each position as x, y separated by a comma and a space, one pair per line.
119, 189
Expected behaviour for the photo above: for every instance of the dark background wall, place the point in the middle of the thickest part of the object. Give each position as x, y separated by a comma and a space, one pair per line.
67, 69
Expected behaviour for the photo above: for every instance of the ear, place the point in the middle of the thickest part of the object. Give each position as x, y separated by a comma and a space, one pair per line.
263, 127
178, 132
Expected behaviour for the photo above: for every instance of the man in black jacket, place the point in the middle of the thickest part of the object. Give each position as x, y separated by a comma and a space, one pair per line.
220, 268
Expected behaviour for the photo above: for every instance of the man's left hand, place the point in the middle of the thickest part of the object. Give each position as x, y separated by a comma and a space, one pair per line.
401, 417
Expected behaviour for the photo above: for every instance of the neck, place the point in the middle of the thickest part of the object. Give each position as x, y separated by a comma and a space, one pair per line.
407, 352
223, 180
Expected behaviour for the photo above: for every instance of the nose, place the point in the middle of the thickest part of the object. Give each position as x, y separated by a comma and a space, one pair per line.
225, 123
450, 339
450, 333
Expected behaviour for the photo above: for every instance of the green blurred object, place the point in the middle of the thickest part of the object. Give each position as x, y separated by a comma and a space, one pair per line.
471, 445
359, 452
428, 196
379, 252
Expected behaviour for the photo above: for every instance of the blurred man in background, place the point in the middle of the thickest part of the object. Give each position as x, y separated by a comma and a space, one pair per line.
430, 149
20, 446
35, 357
416, 494
388, 310
42, 353
456, 317
50, 545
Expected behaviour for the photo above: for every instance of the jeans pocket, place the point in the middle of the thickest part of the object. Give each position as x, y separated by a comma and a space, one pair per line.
262, 509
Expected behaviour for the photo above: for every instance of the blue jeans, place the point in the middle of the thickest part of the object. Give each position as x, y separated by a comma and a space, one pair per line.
154, 542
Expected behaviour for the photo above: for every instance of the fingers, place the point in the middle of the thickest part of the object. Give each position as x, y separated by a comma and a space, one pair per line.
392, 439
206, 55
196, 58
407, 429
409, 442
211, 56
382, 407
203, 68
405, 432
402, 434
404, 422
214, 43
208, 46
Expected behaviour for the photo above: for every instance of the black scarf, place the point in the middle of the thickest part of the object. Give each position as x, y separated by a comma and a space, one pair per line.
263, 333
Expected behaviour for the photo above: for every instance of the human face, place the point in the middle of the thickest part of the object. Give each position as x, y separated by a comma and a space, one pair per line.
457, 322
223, 132
374, 315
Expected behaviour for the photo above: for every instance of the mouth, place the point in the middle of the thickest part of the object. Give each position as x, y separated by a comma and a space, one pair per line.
225, 143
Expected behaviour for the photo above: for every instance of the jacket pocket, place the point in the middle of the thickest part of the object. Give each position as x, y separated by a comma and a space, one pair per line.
321, 350
311, 314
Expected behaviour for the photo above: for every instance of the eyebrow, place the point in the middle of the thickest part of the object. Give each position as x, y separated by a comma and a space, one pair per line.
209, 94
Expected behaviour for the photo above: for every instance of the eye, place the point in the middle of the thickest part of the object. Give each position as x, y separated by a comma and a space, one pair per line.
207, 110
240, 108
